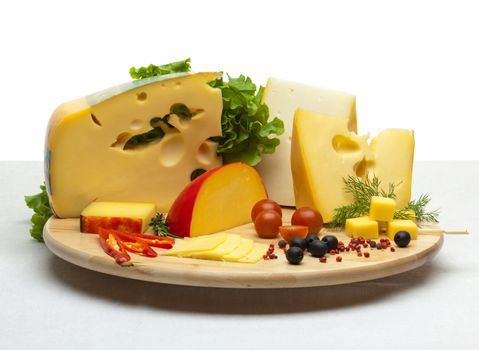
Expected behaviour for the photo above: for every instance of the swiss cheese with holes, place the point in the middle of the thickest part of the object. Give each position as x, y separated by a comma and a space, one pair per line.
139, 142
324, 152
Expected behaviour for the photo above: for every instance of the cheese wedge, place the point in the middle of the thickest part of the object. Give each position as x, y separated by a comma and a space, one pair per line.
137, 142
283, 98
231, 243
324, 152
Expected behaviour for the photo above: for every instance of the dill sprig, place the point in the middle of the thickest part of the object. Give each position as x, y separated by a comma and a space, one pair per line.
160, 228
363, 190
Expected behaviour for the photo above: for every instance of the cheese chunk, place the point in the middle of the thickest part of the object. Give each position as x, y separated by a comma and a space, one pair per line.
231, 243
362, 227
121, 216
402, 225
382, 209
185, 247
283, 98
324, 152
137, 142
393, 151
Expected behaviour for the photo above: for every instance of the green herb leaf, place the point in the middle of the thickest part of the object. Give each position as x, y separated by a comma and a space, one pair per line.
40, 205
158, 223
363, 190
244, 122
153, 71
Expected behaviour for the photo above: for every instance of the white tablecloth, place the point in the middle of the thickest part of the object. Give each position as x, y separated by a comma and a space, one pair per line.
49, 303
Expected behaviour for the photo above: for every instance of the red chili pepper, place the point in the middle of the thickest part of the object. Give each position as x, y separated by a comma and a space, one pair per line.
133, 244
112, 246
151, 240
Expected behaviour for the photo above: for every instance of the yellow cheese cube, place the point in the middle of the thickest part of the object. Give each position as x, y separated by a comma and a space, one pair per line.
402, 225
362, 227
382, 209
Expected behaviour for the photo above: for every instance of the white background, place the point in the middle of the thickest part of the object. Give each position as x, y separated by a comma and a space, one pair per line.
411, 64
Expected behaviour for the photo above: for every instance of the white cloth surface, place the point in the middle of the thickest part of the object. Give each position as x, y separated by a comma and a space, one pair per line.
50, 303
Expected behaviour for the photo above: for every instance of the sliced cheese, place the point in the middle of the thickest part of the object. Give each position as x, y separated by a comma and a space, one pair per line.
283, 98
184, 247
231, 243
117, 145
255, 255
324, 152
241, 251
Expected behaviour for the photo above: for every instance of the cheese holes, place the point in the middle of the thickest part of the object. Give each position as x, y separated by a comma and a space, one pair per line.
136, 124
172, 150
121, 139
206, 152
362, 167
95, 119
344, 144
142, 96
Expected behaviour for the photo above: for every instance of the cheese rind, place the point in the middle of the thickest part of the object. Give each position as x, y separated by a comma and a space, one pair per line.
283, 98
90, 154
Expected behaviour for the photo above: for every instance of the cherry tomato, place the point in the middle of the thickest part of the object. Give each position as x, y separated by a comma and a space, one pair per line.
265, 204
291, 231
310, 217
267, 224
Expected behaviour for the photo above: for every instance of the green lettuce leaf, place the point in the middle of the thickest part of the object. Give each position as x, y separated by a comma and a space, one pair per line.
40, 205
153, 71
244, 122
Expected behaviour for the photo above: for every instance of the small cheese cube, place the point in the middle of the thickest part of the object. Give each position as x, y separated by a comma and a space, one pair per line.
402, 225
362, 227
382, 208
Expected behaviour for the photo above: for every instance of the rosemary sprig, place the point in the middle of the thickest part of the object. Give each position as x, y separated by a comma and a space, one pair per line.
160, 228
363, 190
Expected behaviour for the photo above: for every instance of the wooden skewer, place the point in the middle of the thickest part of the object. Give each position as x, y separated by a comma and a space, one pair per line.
438, 231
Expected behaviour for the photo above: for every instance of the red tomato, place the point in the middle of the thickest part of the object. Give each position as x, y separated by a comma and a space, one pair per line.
265, 204
291, 231
310, 217
267, 224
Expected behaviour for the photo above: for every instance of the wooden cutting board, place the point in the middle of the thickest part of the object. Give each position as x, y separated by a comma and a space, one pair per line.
63, 238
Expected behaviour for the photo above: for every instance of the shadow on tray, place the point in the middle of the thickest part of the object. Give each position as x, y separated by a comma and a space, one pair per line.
238, 301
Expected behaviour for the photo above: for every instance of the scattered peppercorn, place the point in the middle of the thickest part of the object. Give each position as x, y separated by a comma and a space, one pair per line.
393, 249
338, 258
282, 243
372, 244
323, 259
366, 254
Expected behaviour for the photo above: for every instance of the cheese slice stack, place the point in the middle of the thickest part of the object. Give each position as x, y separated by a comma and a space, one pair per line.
283, 98
137, 142
324, 152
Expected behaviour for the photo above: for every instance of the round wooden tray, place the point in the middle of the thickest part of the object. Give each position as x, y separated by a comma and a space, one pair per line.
63, 238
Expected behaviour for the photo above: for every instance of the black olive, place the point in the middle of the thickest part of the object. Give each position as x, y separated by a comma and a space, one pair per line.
298, 242
331, 240
318, 248
402, 239
294, 255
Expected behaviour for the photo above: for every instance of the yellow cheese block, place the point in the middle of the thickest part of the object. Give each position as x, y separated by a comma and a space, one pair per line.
187, 246
362, 227
122, 216
283, 98
255, 255
137, 142
244, 248
393, 153
324, 152
402, 225
231, 243
382, 209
